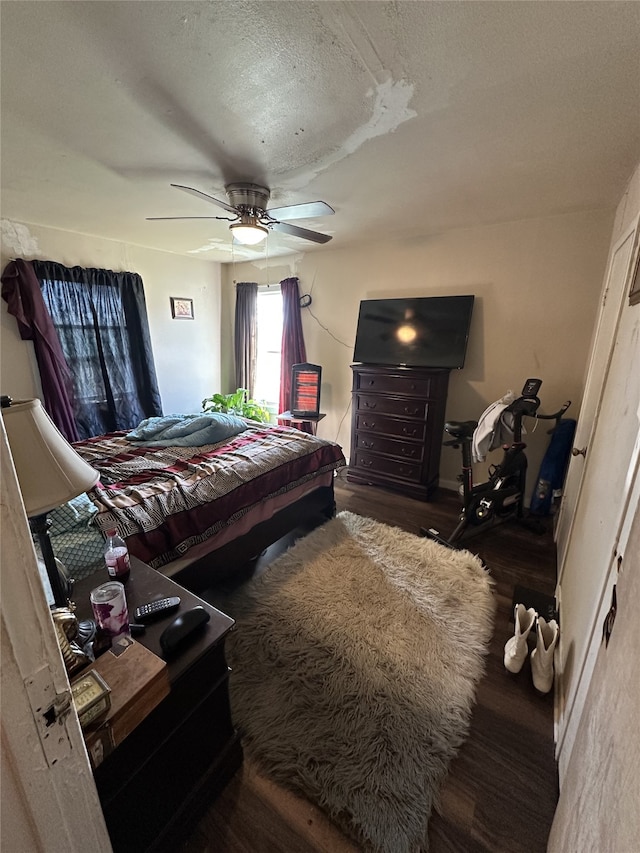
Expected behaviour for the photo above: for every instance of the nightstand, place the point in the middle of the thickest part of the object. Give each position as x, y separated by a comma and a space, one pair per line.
289, 418
159, 780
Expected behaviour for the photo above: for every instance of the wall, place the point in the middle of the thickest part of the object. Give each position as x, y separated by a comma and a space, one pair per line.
186, 352
536, 282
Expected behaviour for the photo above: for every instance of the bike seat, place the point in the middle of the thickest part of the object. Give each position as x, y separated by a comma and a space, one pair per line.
461, 429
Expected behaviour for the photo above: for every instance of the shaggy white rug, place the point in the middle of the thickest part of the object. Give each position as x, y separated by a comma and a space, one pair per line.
354, 666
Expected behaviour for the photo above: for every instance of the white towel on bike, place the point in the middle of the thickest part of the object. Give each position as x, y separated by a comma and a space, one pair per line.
495, 427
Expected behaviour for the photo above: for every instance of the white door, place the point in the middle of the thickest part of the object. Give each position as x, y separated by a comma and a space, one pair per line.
603, 494
49, 799
613, 300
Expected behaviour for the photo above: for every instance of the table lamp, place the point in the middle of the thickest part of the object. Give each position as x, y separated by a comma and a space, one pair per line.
50, 473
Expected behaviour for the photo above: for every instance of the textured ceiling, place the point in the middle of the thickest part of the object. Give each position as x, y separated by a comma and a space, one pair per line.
408, 118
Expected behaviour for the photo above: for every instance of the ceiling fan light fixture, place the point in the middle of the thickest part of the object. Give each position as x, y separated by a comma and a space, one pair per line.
248, 231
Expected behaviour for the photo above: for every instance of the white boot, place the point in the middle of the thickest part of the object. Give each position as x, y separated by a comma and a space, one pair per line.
542, 655
516, 649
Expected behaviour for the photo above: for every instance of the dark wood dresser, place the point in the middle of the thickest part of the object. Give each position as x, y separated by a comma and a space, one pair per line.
158, 781
396, 427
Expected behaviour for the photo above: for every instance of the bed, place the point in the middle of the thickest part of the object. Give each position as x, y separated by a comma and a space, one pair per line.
192, 512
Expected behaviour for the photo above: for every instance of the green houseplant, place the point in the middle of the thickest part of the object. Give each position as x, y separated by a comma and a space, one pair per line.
237, 404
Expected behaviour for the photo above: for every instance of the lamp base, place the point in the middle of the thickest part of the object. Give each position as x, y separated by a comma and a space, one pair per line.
60, 589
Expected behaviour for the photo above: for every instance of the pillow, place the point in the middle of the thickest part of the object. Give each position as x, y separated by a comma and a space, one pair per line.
81, 552
187, 430
63, 518
84, 507
223, 426
70, 516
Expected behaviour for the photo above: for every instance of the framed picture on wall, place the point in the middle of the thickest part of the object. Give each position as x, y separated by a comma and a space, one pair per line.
181, 309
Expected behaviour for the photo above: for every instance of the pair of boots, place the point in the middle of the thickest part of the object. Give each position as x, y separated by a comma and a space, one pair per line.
516, 647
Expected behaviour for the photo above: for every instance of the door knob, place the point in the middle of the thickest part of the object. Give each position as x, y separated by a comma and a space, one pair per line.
576, 452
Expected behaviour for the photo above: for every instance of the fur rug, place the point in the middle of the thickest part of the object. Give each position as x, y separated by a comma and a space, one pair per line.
355, 661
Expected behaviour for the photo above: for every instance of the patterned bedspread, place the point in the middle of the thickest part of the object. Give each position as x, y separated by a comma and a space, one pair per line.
164, 500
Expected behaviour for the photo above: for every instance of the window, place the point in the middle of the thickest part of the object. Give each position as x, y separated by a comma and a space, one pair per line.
269, 312
101, 322
85, 354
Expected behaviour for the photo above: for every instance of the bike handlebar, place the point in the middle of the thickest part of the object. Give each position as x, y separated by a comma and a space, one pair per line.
527, 407
557, 415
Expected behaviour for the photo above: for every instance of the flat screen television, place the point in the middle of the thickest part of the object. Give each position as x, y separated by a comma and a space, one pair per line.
429, 331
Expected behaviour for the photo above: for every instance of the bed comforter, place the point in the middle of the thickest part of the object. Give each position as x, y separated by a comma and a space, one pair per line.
164, 500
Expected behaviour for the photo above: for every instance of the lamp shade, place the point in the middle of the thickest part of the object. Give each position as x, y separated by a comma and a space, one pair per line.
49, 470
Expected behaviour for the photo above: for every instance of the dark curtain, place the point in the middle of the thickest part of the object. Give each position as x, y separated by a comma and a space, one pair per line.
101, 320
21, 291
246, 335
293, 348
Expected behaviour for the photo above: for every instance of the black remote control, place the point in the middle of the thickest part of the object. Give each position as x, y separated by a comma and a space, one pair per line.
156, 609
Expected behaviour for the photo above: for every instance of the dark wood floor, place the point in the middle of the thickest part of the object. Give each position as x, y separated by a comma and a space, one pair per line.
501, 791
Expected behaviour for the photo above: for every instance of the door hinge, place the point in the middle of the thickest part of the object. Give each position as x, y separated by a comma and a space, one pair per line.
50, 711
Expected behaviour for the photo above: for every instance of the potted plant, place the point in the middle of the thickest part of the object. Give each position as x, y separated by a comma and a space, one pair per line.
237, 404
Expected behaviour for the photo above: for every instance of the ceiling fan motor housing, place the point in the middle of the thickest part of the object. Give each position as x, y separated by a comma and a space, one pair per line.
250, 197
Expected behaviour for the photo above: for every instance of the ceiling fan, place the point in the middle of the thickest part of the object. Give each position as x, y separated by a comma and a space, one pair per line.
251, 221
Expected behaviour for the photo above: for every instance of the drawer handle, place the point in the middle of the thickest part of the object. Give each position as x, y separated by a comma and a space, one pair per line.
366, 463
369, 425
371, 382
409, 432
367, 444
408, 452
368, 405
405, 472
409, 411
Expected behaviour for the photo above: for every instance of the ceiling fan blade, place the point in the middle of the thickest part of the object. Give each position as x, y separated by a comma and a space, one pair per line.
226, 218
299, 232
206, 197
301, 211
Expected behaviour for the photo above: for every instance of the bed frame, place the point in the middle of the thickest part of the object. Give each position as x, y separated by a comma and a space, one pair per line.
317, 506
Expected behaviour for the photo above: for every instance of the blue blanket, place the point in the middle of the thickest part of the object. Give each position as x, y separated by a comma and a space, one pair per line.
186, 430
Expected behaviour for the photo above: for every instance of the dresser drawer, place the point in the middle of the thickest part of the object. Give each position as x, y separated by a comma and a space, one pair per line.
414, 430
407, 408
392, 384
406, 450
368, 462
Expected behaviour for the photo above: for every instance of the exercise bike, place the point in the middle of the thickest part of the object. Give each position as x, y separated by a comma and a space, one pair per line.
501, 497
